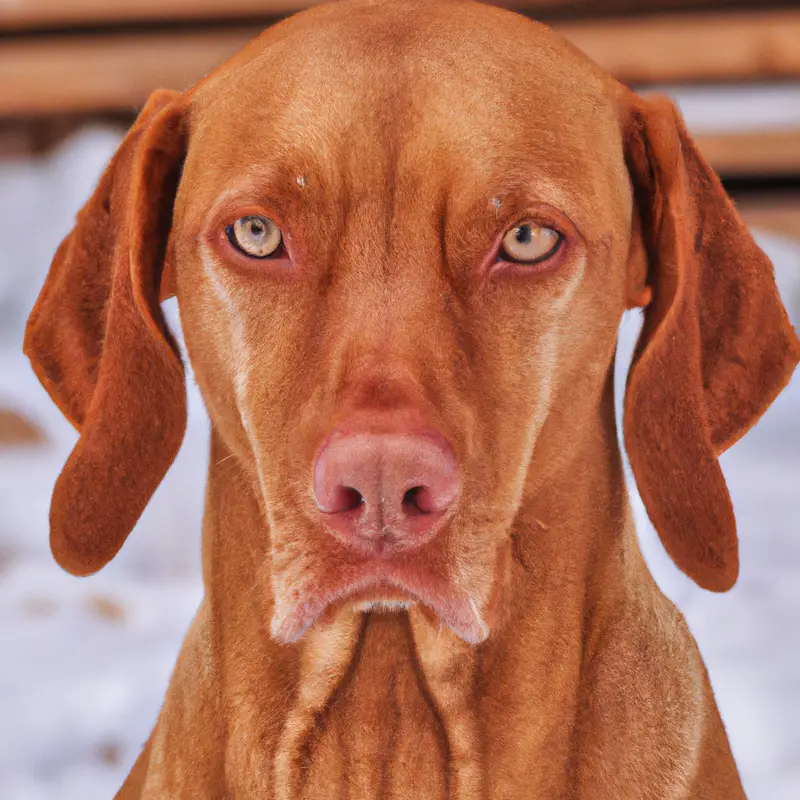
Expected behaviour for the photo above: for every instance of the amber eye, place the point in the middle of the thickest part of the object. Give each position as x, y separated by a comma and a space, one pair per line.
530, 243
257, 237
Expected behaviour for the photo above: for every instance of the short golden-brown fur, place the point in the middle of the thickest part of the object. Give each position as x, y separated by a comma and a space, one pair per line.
393, 142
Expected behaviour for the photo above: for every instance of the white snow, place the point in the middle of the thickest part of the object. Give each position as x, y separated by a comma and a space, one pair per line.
85, 662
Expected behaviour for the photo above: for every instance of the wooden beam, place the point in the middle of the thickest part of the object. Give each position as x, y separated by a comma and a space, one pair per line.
767, 152
57, 74
693, 48
113, 72
18, 15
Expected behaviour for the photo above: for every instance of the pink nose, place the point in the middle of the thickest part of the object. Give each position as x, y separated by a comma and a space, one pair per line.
383, 492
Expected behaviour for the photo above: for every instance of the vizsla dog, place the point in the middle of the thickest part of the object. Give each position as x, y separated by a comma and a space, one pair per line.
402, 236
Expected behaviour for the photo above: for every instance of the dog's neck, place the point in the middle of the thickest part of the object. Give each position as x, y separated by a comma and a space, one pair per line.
403, 685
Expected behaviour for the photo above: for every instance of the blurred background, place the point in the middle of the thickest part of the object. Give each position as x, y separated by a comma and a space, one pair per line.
84, 662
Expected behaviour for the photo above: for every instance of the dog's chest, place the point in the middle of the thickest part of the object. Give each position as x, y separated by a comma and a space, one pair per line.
382, 736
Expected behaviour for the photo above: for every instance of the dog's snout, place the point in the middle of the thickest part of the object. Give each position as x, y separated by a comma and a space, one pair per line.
383, 492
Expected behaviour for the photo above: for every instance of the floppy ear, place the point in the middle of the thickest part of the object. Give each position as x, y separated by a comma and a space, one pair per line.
715, 350
99, 344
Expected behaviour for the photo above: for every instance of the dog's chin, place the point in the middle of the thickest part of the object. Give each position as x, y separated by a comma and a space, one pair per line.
385, 593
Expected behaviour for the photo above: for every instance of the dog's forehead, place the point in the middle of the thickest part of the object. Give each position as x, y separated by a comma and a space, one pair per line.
376, 92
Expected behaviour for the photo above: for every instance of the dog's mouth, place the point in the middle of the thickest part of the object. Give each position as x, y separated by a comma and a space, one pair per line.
382, 599
381, 587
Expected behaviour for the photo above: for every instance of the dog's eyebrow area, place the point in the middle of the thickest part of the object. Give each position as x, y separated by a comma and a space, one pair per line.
279, 188
511, 198
541, 201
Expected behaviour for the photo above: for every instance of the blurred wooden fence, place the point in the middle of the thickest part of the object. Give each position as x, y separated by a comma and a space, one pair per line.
61, 60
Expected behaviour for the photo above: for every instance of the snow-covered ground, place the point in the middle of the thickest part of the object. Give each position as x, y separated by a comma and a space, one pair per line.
84, 662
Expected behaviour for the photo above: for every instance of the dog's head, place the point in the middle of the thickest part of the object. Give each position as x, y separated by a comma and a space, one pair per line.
402, 244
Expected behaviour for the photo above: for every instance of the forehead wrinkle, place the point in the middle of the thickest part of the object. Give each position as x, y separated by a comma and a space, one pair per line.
345, 143
266, 183
257, 183
445, 106
541, 186
315, 101
462, 65
481, 150
440, 44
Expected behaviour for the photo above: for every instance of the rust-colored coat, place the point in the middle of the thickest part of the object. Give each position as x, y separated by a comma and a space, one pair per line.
393, 143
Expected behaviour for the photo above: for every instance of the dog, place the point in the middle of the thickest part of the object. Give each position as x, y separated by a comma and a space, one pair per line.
402, 237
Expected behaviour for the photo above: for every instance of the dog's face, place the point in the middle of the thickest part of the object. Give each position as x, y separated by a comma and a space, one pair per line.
402, 245
387, 240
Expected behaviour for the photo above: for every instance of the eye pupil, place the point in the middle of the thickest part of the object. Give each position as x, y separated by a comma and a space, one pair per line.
524, 234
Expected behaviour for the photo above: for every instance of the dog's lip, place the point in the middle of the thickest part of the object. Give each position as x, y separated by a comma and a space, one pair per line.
381, 582
380, 597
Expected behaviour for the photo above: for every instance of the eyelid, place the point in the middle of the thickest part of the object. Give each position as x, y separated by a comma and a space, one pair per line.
228, 220
538, 219
229, 209
541, 214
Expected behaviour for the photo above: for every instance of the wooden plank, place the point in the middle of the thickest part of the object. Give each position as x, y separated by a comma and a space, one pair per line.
85, 73
114, 72
18, 15
770, 152
693, 47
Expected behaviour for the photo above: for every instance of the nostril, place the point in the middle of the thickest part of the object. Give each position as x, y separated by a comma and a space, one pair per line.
418, 500
344, 498
351, 498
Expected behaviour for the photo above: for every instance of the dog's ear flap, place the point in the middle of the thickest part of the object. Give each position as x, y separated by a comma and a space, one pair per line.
99, 344
716, 346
